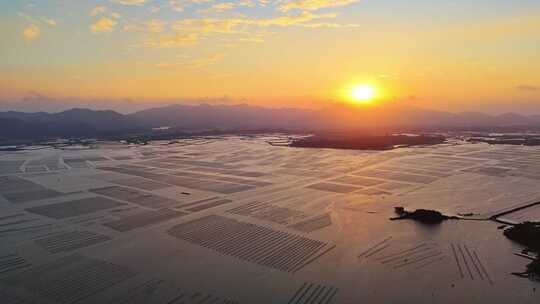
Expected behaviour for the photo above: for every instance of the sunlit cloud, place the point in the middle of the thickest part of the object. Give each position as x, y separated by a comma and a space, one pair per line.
151, 26
50, 22
130, 2
219, 8
172, 40
103, 25
105, 22
227, 6
232, 25
330, 25
31, 32
42, 20
176, 5
300, 19
35, 24
181, 5
98, 10
191, 31
28, 18
312, 5
207, 25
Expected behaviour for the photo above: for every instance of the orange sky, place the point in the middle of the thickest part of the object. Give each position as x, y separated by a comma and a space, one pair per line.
457, 56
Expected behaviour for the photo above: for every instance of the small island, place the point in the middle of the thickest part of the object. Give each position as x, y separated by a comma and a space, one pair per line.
366, 142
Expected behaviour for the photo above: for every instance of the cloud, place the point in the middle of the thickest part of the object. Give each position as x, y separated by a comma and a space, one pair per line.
31, 32
40, 20
151, 26
312, 5
293, 20
191, 31
180, 5
330, 25
176, 5
98, 10
50, 22
219, 8
103, 25
130, 2
172, 40
227, 6
207, 25
528, 88
106, 22
237, 25
28, 18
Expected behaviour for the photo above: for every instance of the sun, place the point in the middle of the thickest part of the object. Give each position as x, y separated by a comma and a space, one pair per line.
363, 93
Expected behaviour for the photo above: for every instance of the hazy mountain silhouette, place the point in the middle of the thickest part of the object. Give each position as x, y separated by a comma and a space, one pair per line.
206, 116
85, 122
75, 122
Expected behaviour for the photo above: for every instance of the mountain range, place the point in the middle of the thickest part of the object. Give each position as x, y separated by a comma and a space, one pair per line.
91, 123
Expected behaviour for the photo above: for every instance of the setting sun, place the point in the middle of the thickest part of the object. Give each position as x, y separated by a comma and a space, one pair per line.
363, 93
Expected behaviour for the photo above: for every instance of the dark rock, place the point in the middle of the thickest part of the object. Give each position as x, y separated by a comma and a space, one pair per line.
527, 234
424, 216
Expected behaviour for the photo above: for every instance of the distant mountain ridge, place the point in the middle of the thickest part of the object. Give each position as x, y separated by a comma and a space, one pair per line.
70, 123
85, 122
206, 116
338, 116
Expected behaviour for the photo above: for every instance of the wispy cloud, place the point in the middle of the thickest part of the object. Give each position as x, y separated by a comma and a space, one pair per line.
171, 40
190, 31
130, 2
35, 24
227, 6
103, 25
31, 32
177, 5
106, 21
232, 25
50, 22
98, 10
312, 5
151, 26
219, 8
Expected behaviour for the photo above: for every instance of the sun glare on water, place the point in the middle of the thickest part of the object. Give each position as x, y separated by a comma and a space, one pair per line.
363, 93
